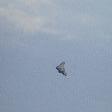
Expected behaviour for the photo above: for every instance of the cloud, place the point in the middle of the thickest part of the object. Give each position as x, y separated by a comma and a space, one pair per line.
21, 19
67, 19
28, 15
36, 2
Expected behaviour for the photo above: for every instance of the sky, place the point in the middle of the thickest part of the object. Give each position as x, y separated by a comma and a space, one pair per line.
36, 36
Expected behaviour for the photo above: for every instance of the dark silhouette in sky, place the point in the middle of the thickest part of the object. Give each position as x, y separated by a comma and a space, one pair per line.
61, 68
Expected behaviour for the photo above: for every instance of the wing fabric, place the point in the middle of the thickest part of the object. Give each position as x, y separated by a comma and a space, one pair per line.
61, 68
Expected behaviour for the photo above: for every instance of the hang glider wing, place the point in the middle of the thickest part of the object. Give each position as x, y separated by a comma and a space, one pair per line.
61, 68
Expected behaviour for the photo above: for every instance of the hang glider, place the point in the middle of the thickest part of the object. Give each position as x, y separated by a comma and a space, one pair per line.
61, 68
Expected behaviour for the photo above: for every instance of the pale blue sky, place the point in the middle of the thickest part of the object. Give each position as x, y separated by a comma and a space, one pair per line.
36, 35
